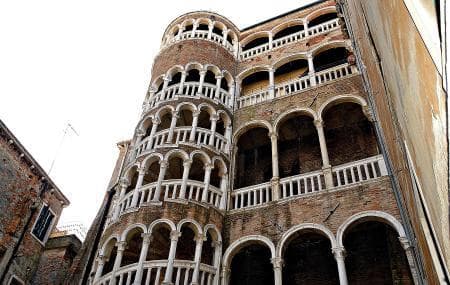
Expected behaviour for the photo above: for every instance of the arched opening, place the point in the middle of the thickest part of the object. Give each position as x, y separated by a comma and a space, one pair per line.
184, 117
349, 134
322, 19
133, 247
217, 30
289, 30
158, 250
210, 77
291, 70
222, 122
175, 32
253, 159
152, 173
133, 175
160, 85
176, 78
216, 174
188, 27
330, 58
308, 260
255, 82
298, 146
202, 27
165, 120
208, 249
204, 119
374, 253
193, 75
186, 243
255, 42
252, 266
147, 127
197, 170
110, 254
175, 168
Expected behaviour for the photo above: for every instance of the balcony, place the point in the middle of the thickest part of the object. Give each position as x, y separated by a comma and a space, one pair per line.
309, 183
298, 85
191, 89
154, 270
292, 38
203, 35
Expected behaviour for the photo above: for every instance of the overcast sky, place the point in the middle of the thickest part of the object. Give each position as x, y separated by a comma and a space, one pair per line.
88, 63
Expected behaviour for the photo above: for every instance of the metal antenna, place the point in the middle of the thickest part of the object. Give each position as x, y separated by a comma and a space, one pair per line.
67, 128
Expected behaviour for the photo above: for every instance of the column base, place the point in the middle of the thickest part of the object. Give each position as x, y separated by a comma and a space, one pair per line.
328, 175
275, 182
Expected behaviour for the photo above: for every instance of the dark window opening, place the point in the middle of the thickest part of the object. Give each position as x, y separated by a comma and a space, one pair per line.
288, 31
43, 223
322, 19
252, 266
329, 58
256, 42
193, 76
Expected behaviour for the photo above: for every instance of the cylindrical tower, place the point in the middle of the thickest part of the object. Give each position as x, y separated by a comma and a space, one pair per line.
165, 224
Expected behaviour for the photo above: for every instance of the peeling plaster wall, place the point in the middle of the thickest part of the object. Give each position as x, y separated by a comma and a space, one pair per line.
410, 103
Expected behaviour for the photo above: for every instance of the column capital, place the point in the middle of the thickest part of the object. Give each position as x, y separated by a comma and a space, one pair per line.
273, 135
271, 69
146, 237
142, 170
175, 235
183, 72
140, 132
277, 262
214, 117
338, 252
152, 89
216, 244
101, 258
199, 239
202, 72
368, 113
121, 245
219, 76
208, 166
318, 123
187, 163
124, 182
156, 121
309, 55
164, 164
167, 78
404, 241
196, 113
175, 114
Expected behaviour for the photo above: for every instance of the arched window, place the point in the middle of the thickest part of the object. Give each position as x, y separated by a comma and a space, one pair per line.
251, 265
255, 82
291, 70
255, 42
133, 247
330, 57
289, 30
322, 19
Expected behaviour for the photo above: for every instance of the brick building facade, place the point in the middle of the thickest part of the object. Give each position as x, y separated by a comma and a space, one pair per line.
258, 159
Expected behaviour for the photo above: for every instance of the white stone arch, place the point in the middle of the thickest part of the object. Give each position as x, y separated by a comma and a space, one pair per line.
203, 156
225, 117
318, 228
157, 82
253, 36
186, 105
151, 158
166, 222
330, 45
213, 68
174, 30
105, 251
196, 227
124, 234
213, 228
209, 108
222, 163
174, 70
289, 58
127, 174
369, 216
194, 65
241, 242
203, 20
335, 100
228, 77
164, 110
287, 114
220, 25
250, 125
187, 22
142, 125
293, 22
319, 12
178, 153
242, 75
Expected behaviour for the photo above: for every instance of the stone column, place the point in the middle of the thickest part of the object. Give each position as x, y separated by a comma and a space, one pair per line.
275, 173
224, 35
194, 29
155, 124
326, 167
213, 119
173, 123
225, 276
311, 72
228, 131
270, 40
194, 126
164, 89
236, 48
134, 200
146, 239
182, 80
174, 235
272, 83
218, 82
210, 29
223, 190
217, 245
123, 187
277, 270
120, 249
230, 99
339, 255
207, 168
305, 27
186, 168
100, 264
200, 84
197, 258
162, 172
180, 30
